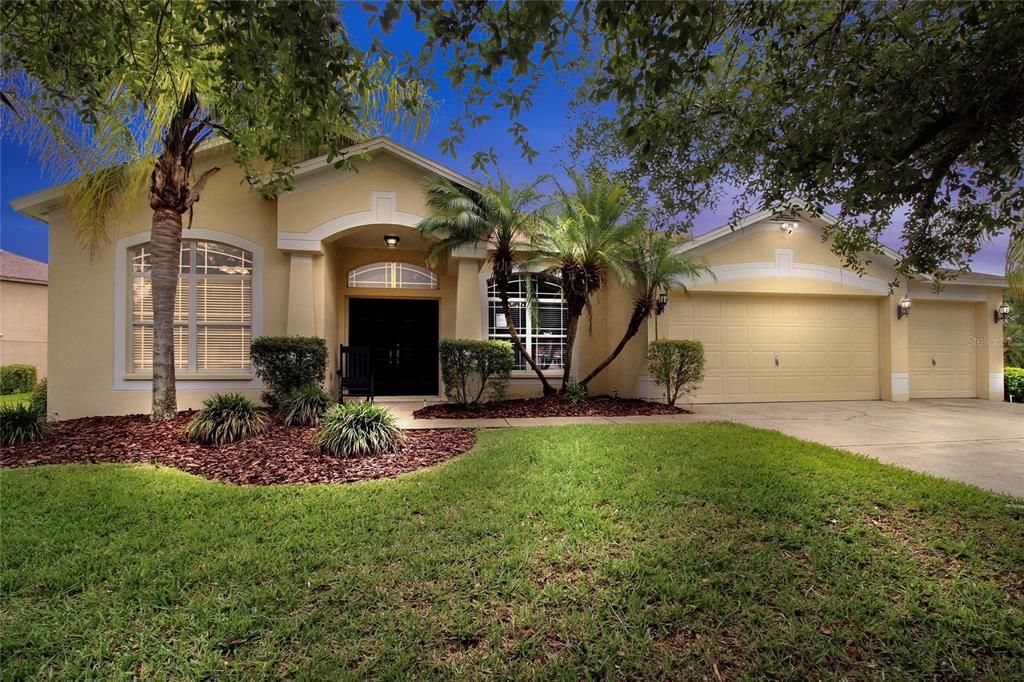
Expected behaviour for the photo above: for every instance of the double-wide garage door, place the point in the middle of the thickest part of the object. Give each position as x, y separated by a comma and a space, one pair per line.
779, 348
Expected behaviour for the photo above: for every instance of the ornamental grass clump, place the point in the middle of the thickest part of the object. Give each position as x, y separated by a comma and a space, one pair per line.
22, 423
305, 406
359, 430
226, 418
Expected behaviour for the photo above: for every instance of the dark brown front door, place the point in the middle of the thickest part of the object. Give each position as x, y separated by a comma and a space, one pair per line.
402, 335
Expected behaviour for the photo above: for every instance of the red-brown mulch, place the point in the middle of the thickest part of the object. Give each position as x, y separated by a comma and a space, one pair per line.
280, 454
552, 406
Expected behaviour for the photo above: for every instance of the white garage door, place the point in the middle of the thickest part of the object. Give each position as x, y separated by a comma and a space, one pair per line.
779, 348
943, 362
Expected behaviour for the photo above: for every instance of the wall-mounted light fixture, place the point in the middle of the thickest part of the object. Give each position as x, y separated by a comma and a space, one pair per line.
903, 308
662, 302
1002, 313
787, 224
391, 240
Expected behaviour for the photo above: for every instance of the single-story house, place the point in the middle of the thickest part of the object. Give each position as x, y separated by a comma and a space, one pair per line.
23, 311
339, 257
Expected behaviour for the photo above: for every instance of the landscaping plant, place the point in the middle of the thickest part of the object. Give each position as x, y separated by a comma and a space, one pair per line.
474, 369
17, 379
286, 363
21, 423
677, 365
38, 399
359, 430
1014, 378
305, 406
574, 393
226, 418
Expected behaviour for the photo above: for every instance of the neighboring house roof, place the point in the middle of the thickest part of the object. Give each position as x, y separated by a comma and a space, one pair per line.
15, 268
40, 204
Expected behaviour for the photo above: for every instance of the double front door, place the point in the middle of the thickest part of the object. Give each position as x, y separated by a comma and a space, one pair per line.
402, 336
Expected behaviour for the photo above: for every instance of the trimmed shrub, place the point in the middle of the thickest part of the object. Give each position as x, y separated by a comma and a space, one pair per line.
1013, 378
473, 370
358, 430
17, 379
678, 365
21, 423
305, 406
38, 400
226, 418
575, 393
286, 363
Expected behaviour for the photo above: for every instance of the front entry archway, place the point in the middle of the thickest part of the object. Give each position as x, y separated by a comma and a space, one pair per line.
402, 335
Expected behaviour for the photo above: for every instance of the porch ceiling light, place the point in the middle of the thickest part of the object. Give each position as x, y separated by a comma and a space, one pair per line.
392, 240
662, 302
1002, 313
903, 308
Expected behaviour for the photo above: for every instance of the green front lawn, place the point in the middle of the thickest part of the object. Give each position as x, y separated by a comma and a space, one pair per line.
15, 398
623, 551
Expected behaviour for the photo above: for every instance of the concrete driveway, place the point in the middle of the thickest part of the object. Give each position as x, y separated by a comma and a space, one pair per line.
974, 441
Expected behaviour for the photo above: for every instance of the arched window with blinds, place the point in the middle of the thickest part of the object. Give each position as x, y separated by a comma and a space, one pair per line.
391, 275
543, 334
213, 308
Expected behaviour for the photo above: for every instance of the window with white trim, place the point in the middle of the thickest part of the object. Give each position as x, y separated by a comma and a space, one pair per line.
213, 308
544, 336
392, 275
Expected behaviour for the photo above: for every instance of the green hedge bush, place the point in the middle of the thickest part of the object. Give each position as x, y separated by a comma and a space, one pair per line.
677, 365
38, 400
286, 363
17, 379
226, 418
21, 423
305, 406
575, 393
359, 430
473, 370
1014, 378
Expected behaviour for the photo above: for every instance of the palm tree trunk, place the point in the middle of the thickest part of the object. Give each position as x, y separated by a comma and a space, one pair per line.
165, 245
506, 308
640, 314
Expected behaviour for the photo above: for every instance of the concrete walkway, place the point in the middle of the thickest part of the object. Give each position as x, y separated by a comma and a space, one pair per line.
974, 441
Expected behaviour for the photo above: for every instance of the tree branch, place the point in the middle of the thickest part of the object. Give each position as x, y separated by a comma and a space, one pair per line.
197, 188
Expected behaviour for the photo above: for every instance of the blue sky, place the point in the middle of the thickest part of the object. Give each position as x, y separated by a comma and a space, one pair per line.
548, 121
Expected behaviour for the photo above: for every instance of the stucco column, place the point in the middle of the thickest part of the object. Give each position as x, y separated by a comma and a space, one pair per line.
989, 344
468, 322
894, 343
301, 298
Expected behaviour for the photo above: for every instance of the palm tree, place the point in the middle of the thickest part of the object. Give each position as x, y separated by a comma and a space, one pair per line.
656, 266
587, 242
499, 217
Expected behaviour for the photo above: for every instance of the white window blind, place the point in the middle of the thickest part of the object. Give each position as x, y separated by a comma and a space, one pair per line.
543, 334
213, 308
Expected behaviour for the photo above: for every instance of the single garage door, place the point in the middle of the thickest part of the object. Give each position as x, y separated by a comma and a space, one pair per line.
943, 362
779, 348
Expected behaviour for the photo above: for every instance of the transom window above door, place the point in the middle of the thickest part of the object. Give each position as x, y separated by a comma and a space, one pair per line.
391, 275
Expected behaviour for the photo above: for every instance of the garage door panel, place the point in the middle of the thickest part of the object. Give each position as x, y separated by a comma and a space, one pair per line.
827, 348
943, 364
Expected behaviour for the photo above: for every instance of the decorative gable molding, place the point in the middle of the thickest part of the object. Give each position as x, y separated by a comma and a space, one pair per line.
785, 265
383, 211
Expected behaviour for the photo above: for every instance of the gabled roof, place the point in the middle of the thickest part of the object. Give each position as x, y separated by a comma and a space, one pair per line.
40, 204
15, 268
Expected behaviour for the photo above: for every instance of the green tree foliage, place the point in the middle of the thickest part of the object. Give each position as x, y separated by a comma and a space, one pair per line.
677, 365
125, 93
1013, 332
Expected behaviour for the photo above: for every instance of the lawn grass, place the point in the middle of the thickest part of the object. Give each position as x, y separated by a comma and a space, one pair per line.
602, 551
15, 398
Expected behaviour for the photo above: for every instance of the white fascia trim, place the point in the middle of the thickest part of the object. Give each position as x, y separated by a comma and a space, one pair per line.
392, 147
995, 382
121, 382
784, 266
383, 211
900, 383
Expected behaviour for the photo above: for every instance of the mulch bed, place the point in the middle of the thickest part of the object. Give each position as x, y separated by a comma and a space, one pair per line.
280, 454
553, 406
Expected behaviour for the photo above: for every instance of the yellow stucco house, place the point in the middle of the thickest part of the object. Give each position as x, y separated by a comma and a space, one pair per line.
23, 299
339, 257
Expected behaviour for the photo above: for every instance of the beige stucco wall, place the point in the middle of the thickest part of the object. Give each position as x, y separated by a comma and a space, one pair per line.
23, 320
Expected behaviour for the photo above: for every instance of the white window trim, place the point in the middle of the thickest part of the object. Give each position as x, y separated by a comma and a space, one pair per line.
124, 379
520, 374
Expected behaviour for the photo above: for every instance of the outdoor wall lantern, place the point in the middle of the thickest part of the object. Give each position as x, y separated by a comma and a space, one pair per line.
788, 224
662, 302
903, 308
1001, 313
391, 240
